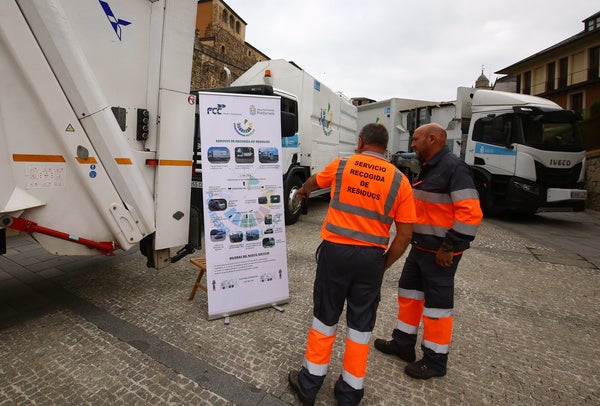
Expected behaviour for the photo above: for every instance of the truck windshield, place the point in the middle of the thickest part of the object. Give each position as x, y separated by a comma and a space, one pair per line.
552, 131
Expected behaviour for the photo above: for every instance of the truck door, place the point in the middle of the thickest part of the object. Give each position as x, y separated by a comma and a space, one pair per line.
493, 139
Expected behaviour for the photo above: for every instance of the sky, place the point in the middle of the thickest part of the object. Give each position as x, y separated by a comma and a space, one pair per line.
423, 49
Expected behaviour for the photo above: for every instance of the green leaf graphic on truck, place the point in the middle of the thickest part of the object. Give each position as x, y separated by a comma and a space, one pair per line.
326, 119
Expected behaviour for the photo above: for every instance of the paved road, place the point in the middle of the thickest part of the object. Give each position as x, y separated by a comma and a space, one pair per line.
568, 233
110, 331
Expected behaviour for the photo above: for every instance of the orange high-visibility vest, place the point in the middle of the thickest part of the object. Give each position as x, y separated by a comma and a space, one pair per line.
368, 194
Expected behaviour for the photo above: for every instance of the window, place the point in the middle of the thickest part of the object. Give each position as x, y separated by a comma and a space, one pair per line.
518, 83
498, 130
550, 76
563, 66
551, 131
577, 102
527, 82
594, 70
289, 117
237, 27
592, 24
231, 21
224, 16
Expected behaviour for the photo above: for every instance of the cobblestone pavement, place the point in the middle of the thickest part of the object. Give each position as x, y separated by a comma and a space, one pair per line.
110, 331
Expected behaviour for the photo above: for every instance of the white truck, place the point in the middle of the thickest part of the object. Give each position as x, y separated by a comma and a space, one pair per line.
525, 152
391, 114
326, 125
97, 124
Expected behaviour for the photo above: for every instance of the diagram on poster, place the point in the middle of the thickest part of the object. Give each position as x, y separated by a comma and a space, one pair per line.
243, 202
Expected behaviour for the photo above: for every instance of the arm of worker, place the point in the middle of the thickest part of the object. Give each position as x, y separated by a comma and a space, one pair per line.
399, 243
467, 216
307, 187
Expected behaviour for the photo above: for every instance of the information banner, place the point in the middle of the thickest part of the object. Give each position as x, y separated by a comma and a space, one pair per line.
242, 183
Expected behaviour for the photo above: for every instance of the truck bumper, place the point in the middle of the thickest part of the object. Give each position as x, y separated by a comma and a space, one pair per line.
526, 196
555, 195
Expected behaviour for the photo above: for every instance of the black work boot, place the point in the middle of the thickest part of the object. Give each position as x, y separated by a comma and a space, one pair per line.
420, 370
293, 380
346, 395
390, 347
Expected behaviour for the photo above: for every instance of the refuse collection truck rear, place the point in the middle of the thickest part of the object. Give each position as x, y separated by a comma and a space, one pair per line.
97, 124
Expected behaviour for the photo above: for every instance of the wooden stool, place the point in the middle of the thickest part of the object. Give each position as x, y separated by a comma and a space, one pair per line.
200, 263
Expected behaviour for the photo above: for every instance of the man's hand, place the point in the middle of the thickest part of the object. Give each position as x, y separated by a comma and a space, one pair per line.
444, 258
302, 192
307, 187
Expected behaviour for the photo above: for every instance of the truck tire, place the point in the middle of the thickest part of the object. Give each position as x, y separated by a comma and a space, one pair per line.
293, 204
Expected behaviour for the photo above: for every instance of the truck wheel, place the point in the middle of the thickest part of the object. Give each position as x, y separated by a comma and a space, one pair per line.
293, 203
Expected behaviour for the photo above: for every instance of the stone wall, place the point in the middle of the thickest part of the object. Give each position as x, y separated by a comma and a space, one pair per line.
593, 180
219, 48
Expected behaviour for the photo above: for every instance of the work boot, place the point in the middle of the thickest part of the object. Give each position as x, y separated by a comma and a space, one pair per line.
295, 384
346, 395
390, 347
420, 370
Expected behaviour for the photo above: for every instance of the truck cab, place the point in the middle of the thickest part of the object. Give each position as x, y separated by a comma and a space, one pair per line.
326, 125
526, 154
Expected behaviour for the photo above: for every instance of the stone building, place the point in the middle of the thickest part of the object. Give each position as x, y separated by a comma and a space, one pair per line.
220, 42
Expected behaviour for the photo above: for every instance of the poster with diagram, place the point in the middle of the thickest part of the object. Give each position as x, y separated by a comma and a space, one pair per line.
242, 184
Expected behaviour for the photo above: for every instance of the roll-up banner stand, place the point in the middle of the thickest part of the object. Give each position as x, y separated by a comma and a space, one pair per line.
246, 262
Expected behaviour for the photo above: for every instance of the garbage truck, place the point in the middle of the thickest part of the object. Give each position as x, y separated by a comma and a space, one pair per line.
97, 125
325, 125
525, 152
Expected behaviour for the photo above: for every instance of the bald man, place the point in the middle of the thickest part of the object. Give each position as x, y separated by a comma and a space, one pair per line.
448, 214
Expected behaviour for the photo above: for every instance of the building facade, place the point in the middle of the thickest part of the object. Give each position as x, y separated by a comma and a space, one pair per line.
220, 43
567, 73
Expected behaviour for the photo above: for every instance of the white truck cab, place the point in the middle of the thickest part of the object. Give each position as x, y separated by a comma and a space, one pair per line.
526, 153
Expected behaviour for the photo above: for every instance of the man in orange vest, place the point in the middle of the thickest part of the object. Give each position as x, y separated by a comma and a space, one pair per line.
368, 195
448, 214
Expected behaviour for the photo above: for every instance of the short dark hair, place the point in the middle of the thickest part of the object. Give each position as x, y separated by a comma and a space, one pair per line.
374, 133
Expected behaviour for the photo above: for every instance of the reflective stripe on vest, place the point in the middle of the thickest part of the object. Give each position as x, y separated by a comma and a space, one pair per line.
433, 202
385, 218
